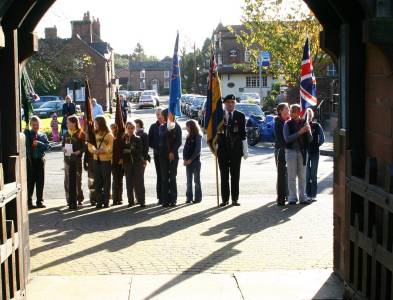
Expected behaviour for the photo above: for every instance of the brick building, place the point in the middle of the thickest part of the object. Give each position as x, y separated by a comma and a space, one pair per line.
231, 53
151, 75
86, 42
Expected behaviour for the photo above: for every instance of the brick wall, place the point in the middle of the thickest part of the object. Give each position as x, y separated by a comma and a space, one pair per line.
149, 77
97, 73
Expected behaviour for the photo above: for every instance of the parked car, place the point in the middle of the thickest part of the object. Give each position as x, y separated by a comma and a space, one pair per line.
188, 104
183, 99
202, 114
43, 99
48, 108
146, 101
250, 98
196, 106
152, 93
125, 93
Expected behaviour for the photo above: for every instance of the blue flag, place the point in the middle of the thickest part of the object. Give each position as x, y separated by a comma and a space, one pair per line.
175, 87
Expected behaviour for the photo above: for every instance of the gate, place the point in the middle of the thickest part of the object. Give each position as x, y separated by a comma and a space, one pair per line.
370, 234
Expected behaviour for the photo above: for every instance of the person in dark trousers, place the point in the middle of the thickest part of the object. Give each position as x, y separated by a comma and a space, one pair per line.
133, 164
154, 144
117, 166
297, 135
68, 109
102, 155
140, 131
279, 153
232, 146
318, 138
124, 107
74, 146
37, 145
192, 160
170, 140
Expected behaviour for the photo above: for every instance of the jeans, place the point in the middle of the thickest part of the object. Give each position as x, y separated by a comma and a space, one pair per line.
168, 180
311, 174
102, 181
296, 168
77, 184
194, 170
35, 177
282, 180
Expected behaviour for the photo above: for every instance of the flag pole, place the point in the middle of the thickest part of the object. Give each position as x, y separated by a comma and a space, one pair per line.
217, 183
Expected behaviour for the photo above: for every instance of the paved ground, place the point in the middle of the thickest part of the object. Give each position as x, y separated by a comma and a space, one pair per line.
187, 239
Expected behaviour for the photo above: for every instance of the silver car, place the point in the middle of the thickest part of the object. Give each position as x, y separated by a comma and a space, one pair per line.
146, 101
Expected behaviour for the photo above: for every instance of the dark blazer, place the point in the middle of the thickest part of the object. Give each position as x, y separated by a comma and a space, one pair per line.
170, 140
232, 135
78, 143
154, 136
145, 141
279, 133
132, 151
69, 109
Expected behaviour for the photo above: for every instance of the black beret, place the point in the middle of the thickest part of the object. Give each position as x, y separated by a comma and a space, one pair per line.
229, 97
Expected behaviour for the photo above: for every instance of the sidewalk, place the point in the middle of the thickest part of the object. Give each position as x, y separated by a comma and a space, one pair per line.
271, 285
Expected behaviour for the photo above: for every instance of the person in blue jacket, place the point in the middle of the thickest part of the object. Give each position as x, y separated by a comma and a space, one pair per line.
170, 140
37, 145
318, 138
192, 160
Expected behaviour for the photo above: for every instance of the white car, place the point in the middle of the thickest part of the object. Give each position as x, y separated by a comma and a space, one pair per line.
152, 93
250, 98
146, 101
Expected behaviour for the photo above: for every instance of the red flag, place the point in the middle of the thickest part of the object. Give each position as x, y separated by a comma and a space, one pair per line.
119, 116
89, 123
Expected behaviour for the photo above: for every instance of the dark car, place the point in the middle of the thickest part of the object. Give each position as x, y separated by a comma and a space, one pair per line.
251, 109
48, 108
196, 106
188, 104
202, 114
43, 99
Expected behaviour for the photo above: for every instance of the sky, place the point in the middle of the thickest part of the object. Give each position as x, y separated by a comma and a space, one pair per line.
153, 23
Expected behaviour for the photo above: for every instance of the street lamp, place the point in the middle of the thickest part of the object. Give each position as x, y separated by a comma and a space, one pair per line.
108, 62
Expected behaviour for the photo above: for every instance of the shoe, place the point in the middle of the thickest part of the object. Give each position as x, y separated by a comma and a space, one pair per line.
189, 201
120, 203
80, 203
235, 203
305, 202
223, 204
40, 205
292, 202
130, 204
197, 201
173, 204
313, 199
31, 206
106, 205
165, 205
99, 206
280, 203
142, 205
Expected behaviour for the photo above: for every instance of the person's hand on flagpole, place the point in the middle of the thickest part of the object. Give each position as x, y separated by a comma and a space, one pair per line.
245, 149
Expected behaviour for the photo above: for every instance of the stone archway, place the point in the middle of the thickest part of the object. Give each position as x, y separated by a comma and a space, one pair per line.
354, 33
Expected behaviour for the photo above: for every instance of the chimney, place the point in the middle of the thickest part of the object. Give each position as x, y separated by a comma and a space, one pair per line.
51, 32
83, 28
96, 30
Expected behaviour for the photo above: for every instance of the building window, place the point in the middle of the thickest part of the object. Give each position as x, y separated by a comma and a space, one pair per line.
264, 81
247, 56
166, 74
331, 70
142, 85
252, 81
166, 84
142, 74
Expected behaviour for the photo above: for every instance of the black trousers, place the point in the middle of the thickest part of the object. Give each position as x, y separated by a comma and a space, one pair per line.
117, 183
168, 180
229, 165
102, 181
35, 178
282, 180
158, 172
135, 182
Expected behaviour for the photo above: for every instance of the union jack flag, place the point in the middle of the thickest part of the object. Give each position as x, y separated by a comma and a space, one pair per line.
308, 84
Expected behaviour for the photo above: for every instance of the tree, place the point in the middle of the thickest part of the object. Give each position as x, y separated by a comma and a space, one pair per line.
139, 53
121, 61
281, 28
53, 64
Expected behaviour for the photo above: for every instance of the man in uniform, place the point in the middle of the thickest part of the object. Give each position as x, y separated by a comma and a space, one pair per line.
232, 146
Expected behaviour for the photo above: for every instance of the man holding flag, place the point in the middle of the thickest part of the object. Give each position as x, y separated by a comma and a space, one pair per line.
226, 136
170, 137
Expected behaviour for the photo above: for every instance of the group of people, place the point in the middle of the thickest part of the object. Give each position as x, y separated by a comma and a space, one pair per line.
114, 153
297, 154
